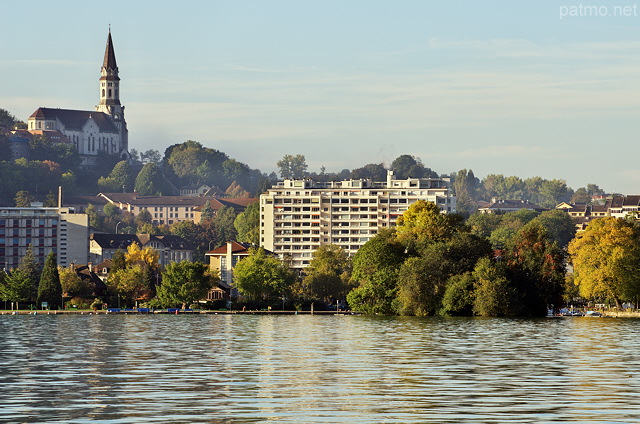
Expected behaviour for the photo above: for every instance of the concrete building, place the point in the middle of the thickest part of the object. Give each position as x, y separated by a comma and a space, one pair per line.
90, 131
58, 230
299, 216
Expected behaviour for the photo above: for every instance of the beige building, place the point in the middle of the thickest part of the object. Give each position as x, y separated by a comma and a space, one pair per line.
58, 230
299, 216
171, 209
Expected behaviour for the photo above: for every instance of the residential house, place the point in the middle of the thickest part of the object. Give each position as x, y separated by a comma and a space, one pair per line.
502, 206
170, 248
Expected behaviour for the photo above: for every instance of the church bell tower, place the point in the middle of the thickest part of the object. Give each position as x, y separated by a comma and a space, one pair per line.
110, 92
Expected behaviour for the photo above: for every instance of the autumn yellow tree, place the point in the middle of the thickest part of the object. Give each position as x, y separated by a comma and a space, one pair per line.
606, 260
147, 255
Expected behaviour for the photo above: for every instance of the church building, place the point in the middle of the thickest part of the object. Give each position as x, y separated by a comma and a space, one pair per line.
91, 131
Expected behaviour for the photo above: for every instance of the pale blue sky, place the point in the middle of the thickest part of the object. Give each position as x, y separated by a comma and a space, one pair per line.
496, 86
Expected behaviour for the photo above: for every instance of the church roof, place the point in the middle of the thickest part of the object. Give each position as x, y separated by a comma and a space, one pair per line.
109, 55
76, 119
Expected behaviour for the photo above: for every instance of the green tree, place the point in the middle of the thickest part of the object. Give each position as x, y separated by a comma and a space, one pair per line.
150, 181
31, 269
553, 192
510, 224
192, 163
207, 213
328, 274
459, 295
130, 284
424, 279
372, 171
16, 287
493, 290
143, 217
483, 224
292, 167
183, 283
606, 260
261, 276
465, 187
423, 223
581, 196
407, 166
121, 179
375, 271
559, 226
118, 261
7, 119
50, 289
247, 224
188, 230
96, 218
223, 225
50, 201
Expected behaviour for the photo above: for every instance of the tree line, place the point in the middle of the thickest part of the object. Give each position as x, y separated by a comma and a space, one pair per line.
135, 280
511, 264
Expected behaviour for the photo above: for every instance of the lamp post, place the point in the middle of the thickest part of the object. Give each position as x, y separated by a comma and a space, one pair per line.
119, 222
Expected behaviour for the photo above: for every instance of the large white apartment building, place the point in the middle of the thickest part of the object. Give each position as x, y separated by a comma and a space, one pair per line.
58, 230
299, 216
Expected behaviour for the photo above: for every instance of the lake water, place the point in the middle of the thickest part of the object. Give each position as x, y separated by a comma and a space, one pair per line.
305, 369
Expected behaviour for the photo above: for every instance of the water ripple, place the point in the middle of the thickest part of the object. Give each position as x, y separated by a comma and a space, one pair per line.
223, 368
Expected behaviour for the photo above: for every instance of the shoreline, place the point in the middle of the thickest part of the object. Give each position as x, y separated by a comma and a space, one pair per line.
178, 312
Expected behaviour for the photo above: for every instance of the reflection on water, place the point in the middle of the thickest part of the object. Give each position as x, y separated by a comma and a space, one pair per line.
234, 368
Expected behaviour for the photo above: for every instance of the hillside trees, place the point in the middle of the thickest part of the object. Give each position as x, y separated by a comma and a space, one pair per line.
150, 181
121, 179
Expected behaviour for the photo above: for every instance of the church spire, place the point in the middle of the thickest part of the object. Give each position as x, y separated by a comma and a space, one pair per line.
109, 55
109, 79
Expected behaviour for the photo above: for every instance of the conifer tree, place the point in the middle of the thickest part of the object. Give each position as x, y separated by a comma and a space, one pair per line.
50, 289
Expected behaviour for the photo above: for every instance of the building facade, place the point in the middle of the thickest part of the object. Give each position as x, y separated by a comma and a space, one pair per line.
299, 216
171, 209
169, 247
57, 230
91, 132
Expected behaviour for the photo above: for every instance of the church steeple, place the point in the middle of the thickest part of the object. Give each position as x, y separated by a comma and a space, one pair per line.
109, 55
110, 94
109, 79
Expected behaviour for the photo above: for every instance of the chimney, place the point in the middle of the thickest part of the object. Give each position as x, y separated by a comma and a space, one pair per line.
59, 196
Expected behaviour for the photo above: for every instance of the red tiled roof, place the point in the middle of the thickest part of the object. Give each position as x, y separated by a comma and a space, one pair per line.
235, 248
